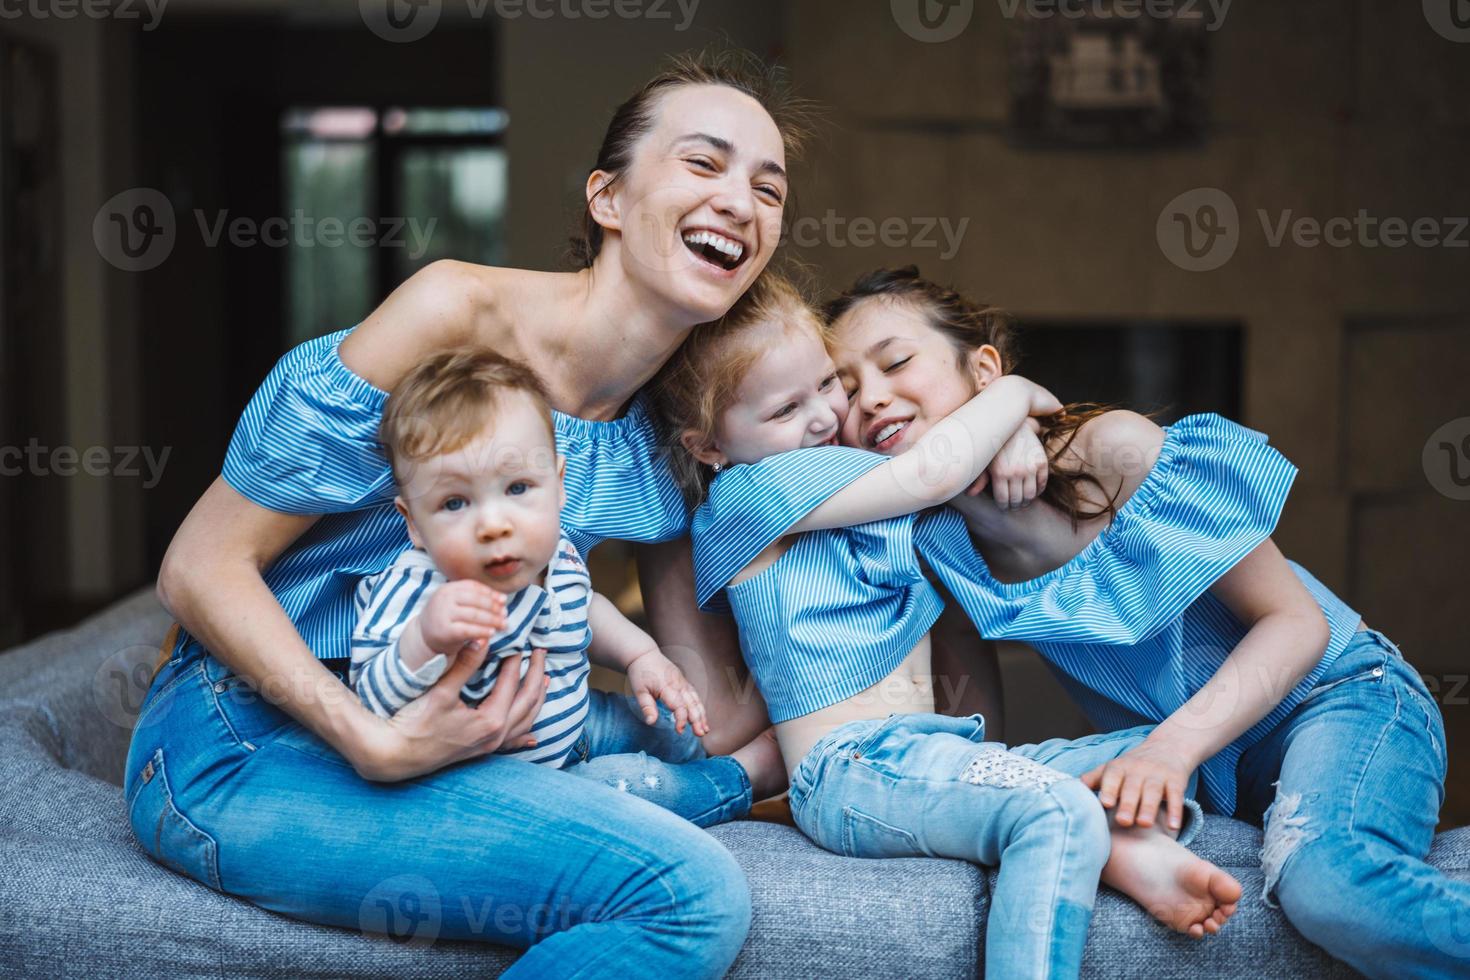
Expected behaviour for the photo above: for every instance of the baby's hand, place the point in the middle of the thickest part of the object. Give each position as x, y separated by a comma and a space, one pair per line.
462, 612
654, 677
1018, 473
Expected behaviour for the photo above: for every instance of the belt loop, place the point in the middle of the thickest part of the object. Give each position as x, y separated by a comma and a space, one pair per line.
165, 650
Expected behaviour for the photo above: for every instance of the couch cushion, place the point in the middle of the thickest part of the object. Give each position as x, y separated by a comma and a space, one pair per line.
79, 897
91, 680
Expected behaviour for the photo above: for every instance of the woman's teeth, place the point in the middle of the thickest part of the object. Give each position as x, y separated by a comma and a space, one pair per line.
887, 431
715, 247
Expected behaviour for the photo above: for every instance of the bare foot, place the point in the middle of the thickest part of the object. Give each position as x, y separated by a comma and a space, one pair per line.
1180, 889
761, 757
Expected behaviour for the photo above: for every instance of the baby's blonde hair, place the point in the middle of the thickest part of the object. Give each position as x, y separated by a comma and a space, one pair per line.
703, 377
445, 402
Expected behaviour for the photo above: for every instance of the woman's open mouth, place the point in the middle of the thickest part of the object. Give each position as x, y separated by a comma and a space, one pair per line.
711, 248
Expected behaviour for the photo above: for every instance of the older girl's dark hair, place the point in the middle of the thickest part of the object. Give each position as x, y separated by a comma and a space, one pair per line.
731, 67
970, 325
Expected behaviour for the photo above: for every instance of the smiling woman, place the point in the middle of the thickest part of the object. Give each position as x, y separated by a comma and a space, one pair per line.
684, 212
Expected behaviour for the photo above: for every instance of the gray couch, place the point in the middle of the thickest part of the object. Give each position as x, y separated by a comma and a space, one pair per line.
78, 897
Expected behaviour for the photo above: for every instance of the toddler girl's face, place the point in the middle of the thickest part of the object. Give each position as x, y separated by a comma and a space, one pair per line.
790, 398
490, 510
901, 375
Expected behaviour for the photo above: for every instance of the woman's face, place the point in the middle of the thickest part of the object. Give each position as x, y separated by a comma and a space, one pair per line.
697, 214
901, 375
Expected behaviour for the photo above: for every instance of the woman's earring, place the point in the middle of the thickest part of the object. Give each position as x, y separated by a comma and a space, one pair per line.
716, 467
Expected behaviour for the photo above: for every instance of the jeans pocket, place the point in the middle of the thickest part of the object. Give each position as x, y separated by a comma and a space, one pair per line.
250, 717
165, 833
868, 837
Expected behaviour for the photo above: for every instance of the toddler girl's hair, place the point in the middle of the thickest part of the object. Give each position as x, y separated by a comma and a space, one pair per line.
969, 326
703, 377
448, 400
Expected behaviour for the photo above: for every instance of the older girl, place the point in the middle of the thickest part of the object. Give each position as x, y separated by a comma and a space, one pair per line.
1147, 577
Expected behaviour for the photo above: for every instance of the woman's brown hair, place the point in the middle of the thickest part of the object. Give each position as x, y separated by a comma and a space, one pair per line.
969, 326
703, 377
727, 66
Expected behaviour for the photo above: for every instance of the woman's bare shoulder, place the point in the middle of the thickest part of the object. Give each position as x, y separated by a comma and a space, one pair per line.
444, 304
1118, 446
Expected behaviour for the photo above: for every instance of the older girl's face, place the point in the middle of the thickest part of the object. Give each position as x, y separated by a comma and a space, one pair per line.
901, 375
697, 214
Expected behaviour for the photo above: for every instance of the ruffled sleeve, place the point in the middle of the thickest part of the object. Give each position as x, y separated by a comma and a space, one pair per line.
618, 480
1215, 493
752, 505
308, 441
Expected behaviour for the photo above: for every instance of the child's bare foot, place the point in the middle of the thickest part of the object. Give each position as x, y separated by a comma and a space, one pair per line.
1180, 889
761, 757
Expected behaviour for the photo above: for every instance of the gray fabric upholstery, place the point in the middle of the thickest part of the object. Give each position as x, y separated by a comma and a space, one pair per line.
79, 897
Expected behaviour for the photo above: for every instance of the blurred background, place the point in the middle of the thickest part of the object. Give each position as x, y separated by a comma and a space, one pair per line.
1252, 208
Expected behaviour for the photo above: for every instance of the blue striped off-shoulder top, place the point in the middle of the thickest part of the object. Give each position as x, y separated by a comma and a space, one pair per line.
839, 610
307, 444
1129, 625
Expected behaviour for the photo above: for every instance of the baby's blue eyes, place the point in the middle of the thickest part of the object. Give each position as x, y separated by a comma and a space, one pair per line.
516, 489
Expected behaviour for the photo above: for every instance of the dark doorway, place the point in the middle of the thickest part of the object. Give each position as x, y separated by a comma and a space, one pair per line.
217, 96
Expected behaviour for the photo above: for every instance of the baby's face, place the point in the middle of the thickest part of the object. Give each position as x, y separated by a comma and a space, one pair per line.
790, 399
490, 510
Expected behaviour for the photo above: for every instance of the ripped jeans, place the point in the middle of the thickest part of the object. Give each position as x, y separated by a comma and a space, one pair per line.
1349, 786
619, 749
918, 785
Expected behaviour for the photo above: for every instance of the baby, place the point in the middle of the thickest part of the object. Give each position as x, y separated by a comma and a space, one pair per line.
473, 448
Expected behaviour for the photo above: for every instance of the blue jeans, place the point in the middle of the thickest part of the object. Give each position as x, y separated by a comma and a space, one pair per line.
928, 785
1349, 786
225, 788
657, 763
